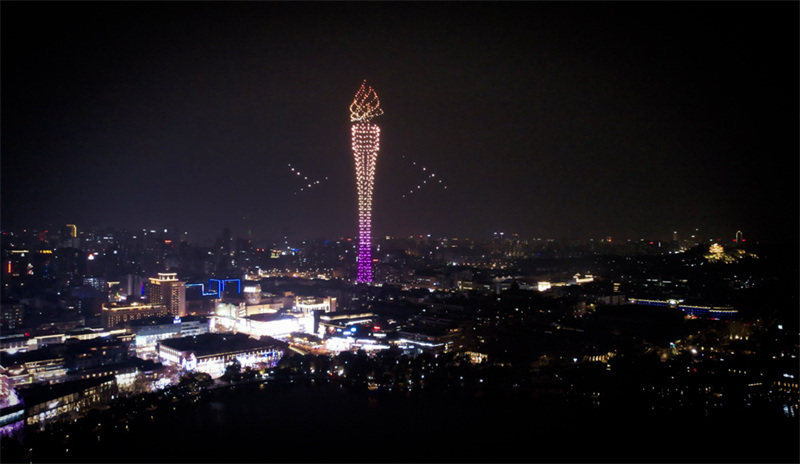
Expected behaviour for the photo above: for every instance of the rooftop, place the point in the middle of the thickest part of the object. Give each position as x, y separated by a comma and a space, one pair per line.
212, 343
164, 320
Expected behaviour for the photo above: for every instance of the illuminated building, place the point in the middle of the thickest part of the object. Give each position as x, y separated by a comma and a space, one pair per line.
167, 290
148, 332
270, 307
252, 294
431, 339
231, 311
70, 236
125, 373
133, 285
264, 324
211, 353
543, 286
12, 315
365, 143
338, 344
88, 354
307, 305
277, 326
12, 420
5, 385
37, 366
13, 344
116, 314
97, 283
45, 404
343, 321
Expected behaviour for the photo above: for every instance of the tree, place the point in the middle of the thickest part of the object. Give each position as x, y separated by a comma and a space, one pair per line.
232, 371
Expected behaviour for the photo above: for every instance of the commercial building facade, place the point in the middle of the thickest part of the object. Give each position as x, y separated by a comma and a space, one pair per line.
212, 353
116, 314
45, 404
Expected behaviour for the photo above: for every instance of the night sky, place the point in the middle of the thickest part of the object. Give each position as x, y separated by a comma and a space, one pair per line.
550, 120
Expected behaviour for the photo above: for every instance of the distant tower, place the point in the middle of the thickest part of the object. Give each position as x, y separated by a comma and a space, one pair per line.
366, 143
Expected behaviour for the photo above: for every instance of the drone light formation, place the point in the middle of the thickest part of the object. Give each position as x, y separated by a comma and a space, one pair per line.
366, 104
366, 143
428, 179
306, 184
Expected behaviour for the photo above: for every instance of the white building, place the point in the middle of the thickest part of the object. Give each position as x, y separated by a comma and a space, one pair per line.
212, 353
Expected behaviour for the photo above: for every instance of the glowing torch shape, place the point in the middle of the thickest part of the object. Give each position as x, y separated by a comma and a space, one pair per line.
366, 140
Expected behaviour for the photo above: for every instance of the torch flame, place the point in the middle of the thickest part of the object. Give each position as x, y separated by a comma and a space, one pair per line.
366, 104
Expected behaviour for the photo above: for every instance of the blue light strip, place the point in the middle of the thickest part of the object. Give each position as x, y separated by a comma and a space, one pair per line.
221, 284
202, 289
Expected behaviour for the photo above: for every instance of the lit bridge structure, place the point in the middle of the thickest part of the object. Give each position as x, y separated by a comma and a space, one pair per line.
711, 312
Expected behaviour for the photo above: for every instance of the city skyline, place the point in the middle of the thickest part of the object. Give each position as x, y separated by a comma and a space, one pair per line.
564, 120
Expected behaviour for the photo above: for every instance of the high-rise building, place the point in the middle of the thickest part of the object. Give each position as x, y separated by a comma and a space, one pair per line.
167, 290
69, 237
365, 143
133, 285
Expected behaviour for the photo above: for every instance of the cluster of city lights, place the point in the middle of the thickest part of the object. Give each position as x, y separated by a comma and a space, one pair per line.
430, 178
307, 184
365, 143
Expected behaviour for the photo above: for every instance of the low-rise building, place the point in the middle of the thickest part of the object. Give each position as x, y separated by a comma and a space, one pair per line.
433, 339
44, 365
148, 332
117, 314
88, 354
212, 352
307, 305
337, 322
45, 404
125, 373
